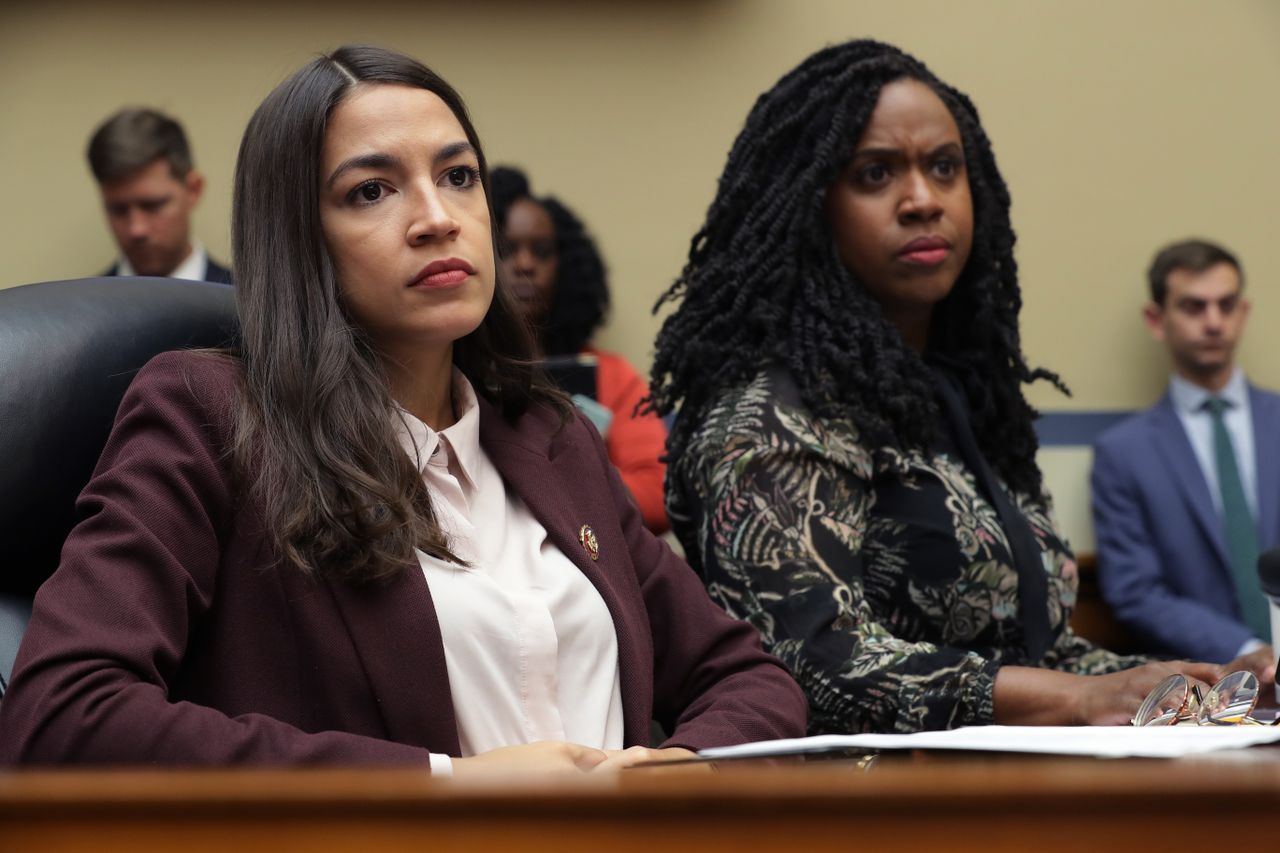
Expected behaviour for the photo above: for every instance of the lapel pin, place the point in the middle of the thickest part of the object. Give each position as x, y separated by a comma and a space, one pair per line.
587, 537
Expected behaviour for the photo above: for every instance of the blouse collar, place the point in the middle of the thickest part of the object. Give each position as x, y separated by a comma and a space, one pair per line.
461, 440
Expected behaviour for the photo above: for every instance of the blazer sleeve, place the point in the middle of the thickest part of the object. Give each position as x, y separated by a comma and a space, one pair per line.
713, 683
110, 627
1131, 574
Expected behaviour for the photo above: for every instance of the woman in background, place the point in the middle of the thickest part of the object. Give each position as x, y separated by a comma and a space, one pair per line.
853, 468
369, 536
559, 278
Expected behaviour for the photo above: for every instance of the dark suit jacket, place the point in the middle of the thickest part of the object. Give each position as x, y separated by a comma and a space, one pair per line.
1162, 552
166, 635
213, 271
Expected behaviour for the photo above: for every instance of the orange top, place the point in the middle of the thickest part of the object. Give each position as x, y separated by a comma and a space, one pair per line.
634, 442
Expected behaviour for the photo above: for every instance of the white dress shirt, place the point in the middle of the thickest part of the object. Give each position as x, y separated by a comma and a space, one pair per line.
530, 647
193, 268
1188, 400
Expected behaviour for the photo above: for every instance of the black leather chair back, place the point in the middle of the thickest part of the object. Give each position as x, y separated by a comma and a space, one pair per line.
68, 351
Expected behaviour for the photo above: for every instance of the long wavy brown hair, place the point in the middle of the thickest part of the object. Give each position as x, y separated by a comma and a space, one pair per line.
315, 443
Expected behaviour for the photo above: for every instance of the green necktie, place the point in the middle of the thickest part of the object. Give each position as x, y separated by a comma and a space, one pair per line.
1242, 536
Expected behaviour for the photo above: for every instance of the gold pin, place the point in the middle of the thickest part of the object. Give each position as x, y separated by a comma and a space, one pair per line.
587, 537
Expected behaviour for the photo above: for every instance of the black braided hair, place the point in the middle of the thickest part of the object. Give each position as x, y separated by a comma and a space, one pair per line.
764, 282
580, 299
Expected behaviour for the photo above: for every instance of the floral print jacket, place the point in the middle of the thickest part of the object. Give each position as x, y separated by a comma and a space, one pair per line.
890, 594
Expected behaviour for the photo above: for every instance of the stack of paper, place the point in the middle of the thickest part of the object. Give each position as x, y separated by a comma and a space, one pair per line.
1102, 742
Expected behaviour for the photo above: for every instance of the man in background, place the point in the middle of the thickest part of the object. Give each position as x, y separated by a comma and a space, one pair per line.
143, 166
1186, 494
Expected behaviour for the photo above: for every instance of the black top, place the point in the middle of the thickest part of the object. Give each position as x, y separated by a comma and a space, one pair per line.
213, 271
892, 594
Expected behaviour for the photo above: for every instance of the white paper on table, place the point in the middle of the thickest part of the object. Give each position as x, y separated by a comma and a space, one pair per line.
1098, 741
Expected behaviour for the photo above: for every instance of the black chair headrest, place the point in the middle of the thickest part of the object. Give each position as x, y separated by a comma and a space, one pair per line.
68, 351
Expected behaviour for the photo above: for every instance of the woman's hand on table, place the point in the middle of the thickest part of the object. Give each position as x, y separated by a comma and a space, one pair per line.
546, 756
556, 756
1114, 698
1030, 696
620, 759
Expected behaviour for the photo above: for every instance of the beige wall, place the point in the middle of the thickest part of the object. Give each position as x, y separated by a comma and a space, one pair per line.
1119, 124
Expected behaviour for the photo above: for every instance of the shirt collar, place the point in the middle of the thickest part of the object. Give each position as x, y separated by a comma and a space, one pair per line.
462, 437
1189, 398
193, 268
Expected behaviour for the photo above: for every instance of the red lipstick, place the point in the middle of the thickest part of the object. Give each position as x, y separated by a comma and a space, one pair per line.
445, 273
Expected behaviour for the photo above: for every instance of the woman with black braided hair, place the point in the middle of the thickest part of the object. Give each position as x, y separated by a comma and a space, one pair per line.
853, 465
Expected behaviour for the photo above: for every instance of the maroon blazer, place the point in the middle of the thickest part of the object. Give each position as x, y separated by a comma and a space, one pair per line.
167, 635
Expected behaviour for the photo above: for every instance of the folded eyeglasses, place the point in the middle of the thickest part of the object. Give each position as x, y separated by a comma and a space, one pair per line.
1176, 701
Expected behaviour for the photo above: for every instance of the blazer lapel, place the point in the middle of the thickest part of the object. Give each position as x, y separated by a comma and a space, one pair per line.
523, 458
1171, 439
526, 460
397, 636
1266, 422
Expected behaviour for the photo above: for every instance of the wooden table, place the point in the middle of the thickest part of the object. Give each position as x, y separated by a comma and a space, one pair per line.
986, 803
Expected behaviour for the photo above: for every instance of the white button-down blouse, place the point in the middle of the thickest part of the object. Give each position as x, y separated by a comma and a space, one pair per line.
531, 649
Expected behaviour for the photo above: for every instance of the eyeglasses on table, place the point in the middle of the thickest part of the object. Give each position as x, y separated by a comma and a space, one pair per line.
1177, 701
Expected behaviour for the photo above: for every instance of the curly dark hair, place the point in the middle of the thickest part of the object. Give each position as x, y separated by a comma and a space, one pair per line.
580, 300
764, 282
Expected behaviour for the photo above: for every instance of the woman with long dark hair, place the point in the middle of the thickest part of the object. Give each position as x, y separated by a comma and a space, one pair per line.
853, 464
369, 535
558, 277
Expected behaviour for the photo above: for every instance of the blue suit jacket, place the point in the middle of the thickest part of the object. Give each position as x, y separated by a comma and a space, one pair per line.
1162, 553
